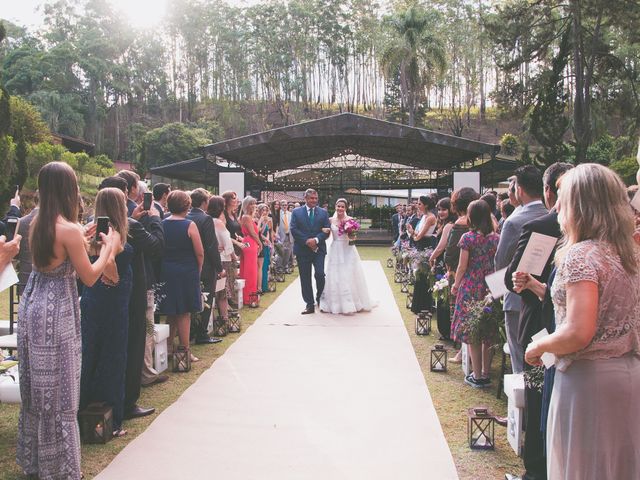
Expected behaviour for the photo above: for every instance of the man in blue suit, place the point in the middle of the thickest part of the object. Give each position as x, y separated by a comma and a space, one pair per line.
309, 247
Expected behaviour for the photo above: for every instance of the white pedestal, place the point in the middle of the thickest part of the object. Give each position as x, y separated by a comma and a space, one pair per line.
10, 388
514, 389
239, 286
466, 360
160, 358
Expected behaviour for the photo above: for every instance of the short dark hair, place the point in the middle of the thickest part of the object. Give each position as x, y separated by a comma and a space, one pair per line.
160, 189
503, 196
529, 179
216, 206
490, 199
462, 198
198, 197
479, 215
553, 173
178, 201
114, 182
507, 207
131, 178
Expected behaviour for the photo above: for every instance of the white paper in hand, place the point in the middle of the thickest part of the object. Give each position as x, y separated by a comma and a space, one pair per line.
549, 359
495, 282
221, 283
536, 253
8, 277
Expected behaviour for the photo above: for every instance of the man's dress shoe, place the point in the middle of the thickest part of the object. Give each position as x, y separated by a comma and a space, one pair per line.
137, 411
308, 310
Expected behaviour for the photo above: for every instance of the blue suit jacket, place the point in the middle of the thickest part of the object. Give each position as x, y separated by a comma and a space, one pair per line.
302, 230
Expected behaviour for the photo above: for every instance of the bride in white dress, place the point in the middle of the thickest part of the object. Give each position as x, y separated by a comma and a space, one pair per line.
345, 289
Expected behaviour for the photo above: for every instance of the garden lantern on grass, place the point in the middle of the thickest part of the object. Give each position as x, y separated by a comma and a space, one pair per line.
438, 358
181, 359
480, 429
405, 286
254, 300
423, 323
390, 262
234, 321
409, 300
271, 284
96, 423
397, 277
220, 327
279, 275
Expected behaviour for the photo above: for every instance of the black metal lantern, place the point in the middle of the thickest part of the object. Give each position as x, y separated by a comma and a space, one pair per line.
181, 359
409, 300
397, 277
220, 327
405, 286
96, 423
412, 278
271, 284
423, 323
480, 429
389, 262
234, 321
254, 299
438, 358
289, 270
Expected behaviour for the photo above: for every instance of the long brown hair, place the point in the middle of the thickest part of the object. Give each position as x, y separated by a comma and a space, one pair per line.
58, 189
111, 202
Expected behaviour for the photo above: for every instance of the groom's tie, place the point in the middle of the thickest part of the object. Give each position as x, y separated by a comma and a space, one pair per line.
311, 215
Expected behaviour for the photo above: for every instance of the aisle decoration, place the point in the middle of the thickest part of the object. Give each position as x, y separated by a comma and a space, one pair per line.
181, 359
438, 358
480, 429
441, 290
423, 323
484, 320
96, 423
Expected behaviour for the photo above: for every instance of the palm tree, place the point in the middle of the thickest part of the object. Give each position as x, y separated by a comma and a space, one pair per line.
414, 52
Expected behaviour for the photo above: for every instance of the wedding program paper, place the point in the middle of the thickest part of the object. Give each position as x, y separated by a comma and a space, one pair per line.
536, 253
549, 359
496, 285
8, 277
221, 283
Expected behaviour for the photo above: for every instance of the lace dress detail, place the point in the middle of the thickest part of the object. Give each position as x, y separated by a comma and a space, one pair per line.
617, 327
345, 289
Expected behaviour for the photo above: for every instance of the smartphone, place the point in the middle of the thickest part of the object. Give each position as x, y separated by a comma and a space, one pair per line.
146, 202
102, 227
10, 228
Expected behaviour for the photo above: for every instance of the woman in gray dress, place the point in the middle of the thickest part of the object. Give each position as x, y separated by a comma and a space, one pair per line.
592, 428
49, 341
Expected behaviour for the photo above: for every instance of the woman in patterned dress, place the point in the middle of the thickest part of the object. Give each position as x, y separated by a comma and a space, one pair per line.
49, 341
477, 250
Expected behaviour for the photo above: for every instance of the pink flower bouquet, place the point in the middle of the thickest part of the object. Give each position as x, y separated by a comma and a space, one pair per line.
349, 227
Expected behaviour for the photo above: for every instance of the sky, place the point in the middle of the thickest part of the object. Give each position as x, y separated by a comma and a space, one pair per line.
141, 13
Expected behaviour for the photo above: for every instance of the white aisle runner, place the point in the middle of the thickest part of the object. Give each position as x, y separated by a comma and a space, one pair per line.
302, 397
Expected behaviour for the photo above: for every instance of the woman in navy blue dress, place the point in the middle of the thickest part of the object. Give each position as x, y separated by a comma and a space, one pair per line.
105, 317
181, 265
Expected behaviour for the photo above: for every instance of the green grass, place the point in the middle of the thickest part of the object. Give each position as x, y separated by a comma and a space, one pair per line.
450, 395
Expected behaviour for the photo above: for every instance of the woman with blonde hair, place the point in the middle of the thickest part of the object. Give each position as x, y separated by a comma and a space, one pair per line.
596, 295
49, 341
265, 229
105, 316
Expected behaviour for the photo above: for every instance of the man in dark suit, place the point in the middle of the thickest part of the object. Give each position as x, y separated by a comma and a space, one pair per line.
531, 319
309, 246
146, 235
212, 266
395, 223
160, 194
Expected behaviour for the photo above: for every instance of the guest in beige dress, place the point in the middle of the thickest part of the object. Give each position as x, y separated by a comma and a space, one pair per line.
592, 427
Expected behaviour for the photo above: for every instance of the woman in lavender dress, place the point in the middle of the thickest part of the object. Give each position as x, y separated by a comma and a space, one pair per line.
49, 342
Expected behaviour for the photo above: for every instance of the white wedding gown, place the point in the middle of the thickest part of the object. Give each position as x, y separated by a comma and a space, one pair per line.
345, 289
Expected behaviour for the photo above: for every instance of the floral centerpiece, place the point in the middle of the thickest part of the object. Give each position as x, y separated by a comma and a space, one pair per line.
484, 320
349, 227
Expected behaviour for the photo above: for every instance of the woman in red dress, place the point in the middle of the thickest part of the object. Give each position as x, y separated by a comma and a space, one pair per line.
249, 260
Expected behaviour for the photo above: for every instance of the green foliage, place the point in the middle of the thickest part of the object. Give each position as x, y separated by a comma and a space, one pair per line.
40, 154
26, 121
510, 144
525, 157
601, 151
627, 168
172, 143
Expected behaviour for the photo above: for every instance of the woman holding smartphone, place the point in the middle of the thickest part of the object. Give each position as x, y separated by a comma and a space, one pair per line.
49, 341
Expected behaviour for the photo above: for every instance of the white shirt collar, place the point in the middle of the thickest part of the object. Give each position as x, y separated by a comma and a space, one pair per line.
308, 208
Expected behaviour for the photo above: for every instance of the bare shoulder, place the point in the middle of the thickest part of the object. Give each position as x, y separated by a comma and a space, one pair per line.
65, 227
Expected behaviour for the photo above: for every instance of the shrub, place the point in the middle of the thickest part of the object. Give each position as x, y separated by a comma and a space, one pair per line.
510, 144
